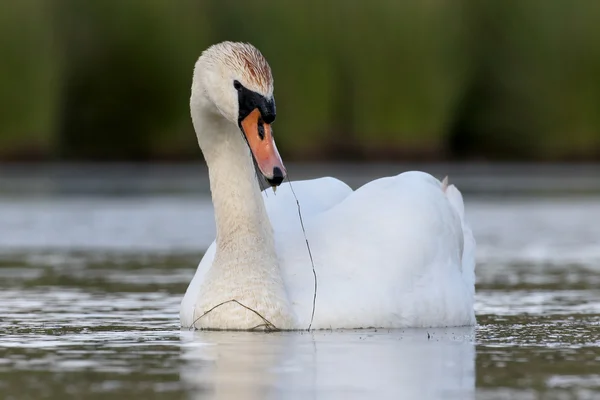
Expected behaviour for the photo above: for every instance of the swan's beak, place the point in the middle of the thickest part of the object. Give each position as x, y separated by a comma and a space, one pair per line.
260, 139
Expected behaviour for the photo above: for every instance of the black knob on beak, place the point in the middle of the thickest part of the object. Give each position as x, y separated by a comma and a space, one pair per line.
277, 177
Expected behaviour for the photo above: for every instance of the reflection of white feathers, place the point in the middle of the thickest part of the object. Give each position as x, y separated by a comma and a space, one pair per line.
331, 365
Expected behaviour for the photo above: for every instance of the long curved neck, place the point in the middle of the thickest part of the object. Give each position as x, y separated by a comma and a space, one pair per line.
244, 232
241, 218
245, 266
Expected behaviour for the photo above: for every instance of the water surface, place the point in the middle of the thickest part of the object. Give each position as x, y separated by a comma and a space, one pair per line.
91, 276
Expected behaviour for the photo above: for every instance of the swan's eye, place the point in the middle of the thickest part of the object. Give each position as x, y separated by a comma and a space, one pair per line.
237, 85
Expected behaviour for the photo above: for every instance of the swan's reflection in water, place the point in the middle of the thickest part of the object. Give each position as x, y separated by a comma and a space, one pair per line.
403, 364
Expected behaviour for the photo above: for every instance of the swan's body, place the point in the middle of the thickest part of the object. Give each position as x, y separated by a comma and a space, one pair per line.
394, 253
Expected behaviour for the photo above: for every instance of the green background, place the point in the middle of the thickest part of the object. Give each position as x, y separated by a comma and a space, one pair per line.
354, 80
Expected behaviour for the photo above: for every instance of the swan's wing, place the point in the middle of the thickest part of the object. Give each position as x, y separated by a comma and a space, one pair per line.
314, 196
469, 246
188, 303
389, 254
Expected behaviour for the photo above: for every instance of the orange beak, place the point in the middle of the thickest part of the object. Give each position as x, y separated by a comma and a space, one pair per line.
260, 139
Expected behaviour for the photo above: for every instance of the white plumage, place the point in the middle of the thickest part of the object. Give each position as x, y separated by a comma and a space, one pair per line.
394, 253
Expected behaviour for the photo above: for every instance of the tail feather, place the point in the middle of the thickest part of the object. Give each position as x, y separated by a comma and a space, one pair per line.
445, 184
455, 198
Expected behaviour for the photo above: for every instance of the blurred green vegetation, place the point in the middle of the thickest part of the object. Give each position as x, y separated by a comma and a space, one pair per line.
434, 79
29, 79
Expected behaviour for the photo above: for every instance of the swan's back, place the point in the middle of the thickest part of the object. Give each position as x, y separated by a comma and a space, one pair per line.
390, 254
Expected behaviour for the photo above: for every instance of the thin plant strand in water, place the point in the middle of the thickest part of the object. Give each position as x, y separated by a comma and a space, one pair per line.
267, 324
309, 254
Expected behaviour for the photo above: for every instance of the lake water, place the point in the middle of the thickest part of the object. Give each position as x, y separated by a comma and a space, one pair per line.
94, 261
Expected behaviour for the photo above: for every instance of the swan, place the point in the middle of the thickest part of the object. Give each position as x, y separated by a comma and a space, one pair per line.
394, 253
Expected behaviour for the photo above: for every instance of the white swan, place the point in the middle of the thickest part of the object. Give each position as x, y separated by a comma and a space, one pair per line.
394, 253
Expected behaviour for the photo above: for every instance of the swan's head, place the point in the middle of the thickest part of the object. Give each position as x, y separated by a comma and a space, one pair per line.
234, 81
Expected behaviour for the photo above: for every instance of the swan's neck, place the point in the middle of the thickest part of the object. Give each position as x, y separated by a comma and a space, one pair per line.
245, 267
243, 226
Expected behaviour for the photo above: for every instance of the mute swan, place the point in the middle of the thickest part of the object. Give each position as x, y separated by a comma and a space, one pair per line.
394, 253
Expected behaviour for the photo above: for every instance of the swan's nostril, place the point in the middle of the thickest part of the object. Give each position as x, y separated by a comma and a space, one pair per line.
261, 129
277, 177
